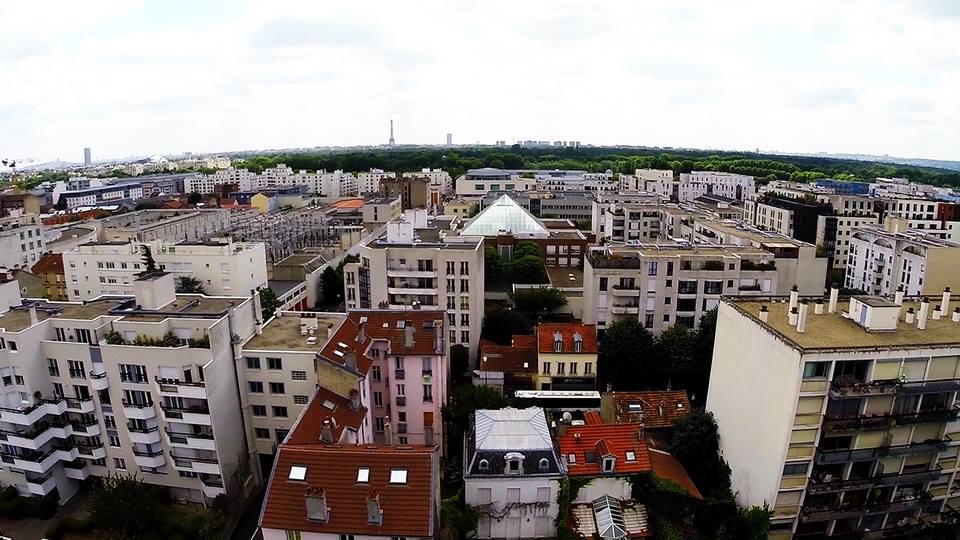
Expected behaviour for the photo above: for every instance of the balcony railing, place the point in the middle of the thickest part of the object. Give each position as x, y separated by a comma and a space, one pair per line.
178, 382
179, 435
841, 511
77, 403
851, 387
35, 431
816, 486
824, 457
148, 453
177, 412
149, 429
175, 456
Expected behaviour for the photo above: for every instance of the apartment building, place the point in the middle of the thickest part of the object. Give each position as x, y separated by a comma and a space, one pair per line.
102, 195
167, 225
884, 261
626, 217
379, 210
52, 276
21, 241
850, 413
336, 184
222, 267
369, 181
441, 184
566, 356
208, 183
155, 185
479, 182
413, 192
421, 263
695, 184
143, 385
512, 473
665, 284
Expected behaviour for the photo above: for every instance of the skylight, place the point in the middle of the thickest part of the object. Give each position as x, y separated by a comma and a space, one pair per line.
327, 404
631, 456
635, 407
297, 472
504, 215
363, 475
398, 476
572, 458
401, 324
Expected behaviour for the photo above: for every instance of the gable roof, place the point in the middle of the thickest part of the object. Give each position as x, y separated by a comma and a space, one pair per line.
667, 467
653, 408
326, 404
504, 215
515, 358
604, 439
547, 331
51, 263
512, 429
349, 343
407, 509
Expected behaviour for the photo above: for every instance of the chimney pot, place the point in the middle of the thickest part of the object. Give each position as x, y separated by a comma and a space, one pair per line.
326, 432
922, 317
834, 296
802, 318
945, 301
910, 317
794, 314
764, 314
956, 314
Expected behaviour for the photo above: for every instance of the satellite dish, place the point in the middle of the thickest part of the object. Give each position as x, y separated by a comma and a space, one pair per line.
567, 417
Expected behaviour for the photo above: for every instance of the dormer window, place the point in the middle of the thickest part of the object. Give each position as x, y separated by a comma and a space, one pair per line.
557, 342
577, 343
608, 463
484, 465
514, 462
544, 464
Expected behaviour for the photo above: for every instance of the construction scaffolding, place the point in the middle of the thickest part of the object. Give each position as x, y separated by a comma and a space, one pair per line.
287, 232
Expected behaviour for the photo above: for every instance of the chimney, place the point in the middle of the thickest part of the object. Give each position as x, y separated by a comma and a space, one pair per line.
898, 296
794, 297
956, 314
834, 295
316, 501
945, 302
802, 318
922, 317
764, 313
326, 432
362, 333
408, 341
374, 512
354, 400
350, 360
660, 409
34, 320
818, 307
910, 317
794, 314
428, 436
387, 432
438, 336
936, 313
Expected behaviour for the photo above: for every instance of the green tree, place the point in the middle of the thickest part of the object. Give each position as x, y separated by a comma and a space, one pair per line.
149, 265
500, 325
343, 262
539, 301
194, 198
492, 265
464, 400
673, 349
190, 285
125, 506
696, 445
625, 358
527, 269
459, 362
331, 287
269, 303
527, 248
667, 504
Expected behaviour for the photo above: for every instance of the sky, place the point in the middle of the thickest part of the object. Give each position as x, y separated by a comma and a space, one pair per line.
157, 77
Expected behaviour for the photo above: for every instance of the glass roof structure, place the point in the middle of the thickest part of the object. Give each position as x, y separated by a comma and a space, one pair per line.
609, 518
507, 216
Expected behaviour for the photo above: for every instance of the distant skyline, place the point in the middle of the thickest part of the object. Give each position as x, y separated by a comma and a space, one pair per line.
143, 78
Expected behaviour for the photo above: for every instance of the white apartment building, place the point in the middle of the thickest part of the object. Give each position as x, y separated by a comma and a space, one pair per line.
512, 473
369, 181
336, 184
419, 263
102, 195
883, 261
695, 184
840, 415
204, 184
665, 284
478, 182
627, 217
144, 385
21, 241
223, 268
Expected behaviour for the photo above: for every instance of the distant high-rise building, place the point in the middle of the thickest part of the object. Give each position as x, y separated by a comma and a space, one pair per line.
392, 142
86, 156
449, 139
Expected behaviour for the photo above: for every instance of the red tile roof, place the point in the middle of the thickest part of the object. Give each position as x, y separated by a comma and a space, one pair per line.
51, 263
349, 203
348, 342
515, 358
592, 417
407, 509
658, 408
547, 331
326, 404
604, 439
667, 467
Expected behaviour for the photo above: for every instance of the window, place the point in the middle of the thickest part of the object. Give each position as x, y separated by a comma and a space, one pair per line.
75, 366
133, 373
378, 424
484, 465
796, 469
291, 535
631, 455
573, 368
375, 373
588, 368
464, 336
53, 367
279, 412
298, 375
378, 399
363, 475
258, 410
297, 472
398, 476
119, 463
401, 390
346, 537
253, 362
256, 387
546, 368
544, 465
274, 363
300, 399
428, 393
815, 370
464, 285
608, 464
652, 268
561, 368
276, 388
114, 441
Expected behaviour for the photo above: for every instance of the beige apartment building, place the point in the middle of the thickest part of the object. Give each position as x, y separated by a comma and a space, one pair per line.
840, 414
882, 261
420, 262
223, 267
144, 385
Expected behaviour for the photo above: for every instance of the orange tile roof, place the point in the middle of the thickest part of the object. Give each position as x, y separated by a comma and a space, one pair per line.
604, 439
349, 203
51, 263
508, 358
326, 404
407, 509
546, 332
592, 417
383, 325
667, 467
658, 408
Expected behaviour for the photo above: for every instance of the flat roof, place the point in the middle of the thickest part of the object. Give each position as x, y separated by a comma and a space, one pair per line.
564, 278
830, 331
283, 333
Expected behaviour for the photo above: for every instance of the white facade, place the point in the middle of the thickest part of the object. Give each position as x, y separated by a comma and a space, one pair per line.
336, 184
881, 262
440, 179
369, 181
21, 241
105, 194
205, 184
233, 268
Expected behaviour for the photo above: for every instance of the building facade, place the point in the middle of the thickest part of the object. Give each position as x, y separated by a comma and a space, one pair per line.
883, 261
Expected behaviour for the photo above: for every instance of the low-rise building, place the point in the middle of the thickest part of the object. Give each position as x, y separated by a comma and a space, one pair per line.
478, 182
21, 241
25, 203
107, 194
52, 277
566, 356
167, 225
883, 261
507, 368
379, 210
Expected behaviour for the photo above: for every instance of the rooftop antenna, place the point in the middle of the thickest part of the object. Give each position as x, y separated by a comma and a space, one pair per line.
392, 141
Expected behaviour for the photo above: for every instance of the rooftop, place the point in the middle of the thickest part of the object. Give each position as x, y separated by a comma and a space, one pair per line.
547, 334
326, 405
286, 333
518, 357
583, 447
667, 467
512, 429
565, 278
504, 215
653, 409
51, 263
830, 331
352, 339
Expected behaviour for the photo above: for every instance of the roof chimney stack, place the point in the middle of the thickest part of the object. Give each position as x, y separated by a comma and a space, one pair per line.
945, 302
802, 318
818, 307
326, 432
794, 314
34, 320
354, 400
316, 501
764, 315
936, 313
794, 297
361, 332
910, 317
922, 317
898, 296
834, 295
956, 314
387, 432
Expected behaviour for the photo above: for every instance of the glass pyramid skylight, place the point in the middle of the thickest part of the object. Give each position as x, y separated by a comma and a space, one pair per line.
504, 215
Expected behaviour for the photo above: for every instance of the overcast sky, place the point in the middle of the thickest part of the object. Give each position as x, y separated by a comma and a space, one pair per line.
156, 77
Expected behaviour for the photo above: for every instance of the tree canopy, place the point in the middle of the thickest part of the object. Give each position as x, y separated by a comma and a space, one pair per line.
538, 301
625, 357
190, 285
501, 324
331, 287
269, 303
149, 264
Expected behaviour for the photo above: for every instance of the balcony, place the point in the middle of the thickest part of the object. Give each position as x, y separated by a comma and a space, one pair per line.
843, 424
398, 271
149, 458
928, 416
87, 428
842, 511
623, 309
826, 486
139, 411
98, 380
191, 415
178, 388
825, 457
849, 387
83, 405
39, 435
91, 451
41, 485
412, 288
78, 470
198, 441
195, 464
212, 487
39, 462
150, 435
30, 415
932, 386
629, 291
